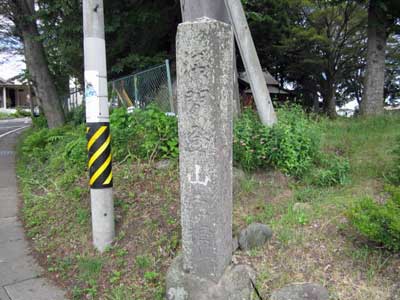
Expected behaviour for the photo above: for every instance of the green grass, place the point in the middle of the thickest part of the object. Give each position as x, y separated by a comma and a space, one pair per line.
312, 244
18, 114
368, 143
4, 116
338, 255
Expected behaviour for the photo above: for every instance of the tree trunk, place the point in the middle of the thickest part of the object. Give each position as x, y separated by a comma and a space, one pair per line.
315, 105
37, 64
372, 102
330, 101
214, 9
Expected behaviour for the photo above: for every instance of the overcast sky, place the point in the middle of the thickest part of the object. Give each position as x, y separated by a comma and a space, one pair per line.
11, 60
11, 65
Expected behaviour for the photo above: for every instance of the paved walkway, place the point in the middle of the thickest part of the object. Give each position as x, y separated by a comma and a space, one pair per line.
20, 276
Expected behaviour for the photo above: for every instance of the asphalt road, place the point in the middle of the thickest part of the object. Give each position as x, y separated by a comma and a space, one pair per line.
12, 127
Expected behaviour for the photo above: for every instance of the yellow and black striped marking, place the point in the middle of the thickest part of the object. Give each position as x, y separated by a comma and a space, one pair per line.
99, 149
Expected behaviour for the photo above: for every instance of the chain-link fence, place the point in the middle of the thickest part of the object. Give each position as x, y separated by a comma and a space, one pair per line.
73, 100
152, 86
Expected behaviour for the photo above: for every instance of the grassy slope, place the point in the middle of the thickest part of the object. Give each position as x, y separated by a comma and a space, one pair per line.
313, 244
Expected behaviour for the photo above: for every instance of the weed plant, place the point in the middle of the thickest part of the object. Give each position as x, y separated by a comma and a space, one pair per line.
144, 134
292, 146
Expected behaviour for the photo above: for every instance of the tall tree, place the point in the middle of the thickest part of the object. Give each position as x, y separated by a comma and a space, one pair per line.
22, 13
383, 16
60, 28
311, 45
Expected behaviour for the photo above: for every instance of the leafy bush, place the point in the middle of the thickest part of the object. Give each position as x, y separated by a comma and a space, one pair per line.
75, 153
294, 142
291, 145
249, 150
77, 116
145, 134
39, 121
379, 223
22, 113
37, 144
58, 150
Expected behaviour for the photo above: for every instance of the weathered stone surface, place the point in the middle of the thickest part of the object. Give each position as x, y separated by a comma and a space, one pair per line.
304, 291
34, 289
235, 284
205, 91
254, 236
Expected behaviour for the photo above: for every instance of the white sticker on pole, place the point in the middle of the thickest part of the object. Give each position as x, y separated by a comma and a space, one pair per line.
96, 104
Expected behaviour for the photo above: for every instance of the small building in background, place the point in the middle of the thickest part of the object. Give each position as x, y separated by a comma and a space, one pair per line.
14, 94
275, 91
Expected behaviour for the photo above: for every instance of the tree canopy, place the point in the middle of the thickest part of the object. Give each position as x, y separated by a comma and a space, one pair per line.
315, 47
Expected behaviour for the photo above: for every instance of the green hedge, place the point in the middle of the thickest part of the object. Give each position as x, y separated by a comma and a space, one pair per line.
379, 223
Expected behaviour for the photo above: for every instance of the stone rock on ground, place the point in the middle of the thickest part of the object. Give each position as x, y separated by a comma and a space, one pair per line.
254, 236
163, 164
303, 291
235, 284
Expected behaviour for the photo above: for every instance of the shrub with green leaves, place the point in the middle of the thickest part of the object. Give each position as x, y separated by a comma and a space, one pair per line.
22, 113
77, 115
39, 121
60, 150
291, 145
380, 223
249, 150
145, 134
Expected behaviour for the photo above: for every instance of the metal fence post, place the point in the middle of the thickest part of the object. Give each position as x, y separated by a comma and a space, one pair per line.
171, 100
137, 102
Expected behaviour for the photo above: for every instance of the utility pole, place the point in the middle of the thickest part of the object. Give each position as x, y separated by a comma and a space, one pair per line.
98, 125
251, 61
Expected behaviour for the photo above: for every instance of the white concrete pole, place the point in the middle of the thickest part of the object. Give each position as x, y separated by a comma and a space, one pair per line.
4, 98
98, 129
251, 62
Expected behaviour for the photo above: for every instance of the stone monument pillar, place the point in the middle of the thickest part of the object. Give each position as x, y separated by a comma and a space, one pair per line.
205, 91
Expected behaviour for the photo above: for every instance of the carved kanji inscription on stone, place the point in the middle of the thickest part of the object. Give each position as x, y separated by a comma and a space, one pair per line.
205, 95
